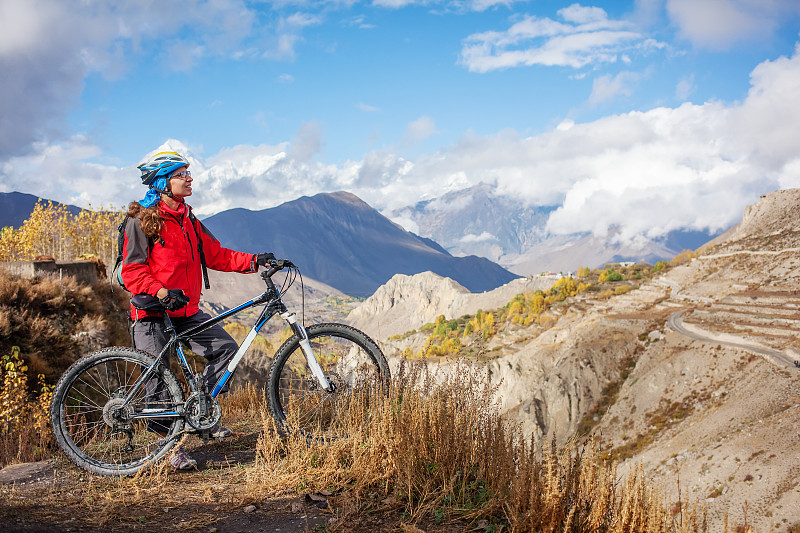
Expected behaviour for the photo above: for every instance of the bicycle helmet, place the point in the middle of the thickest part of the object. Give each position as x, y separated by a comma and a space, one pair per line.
160, 164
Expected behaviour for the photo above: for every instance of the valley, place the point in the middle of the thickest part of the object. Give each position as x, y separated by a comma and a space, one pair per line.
691, 375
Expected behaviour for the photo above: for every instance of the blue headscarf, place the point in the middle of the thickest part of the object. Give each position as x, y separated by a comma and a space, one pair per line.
153, 196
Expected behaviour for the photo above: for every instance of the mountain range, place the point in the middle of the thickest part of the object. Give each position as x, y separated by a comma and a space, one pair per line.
475, 236
16, 207
478, 221
341, 241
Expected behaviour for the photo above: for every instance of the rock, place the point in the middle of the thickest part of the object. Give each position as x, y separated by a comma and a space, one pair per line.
317, 500
404, 303
25, 472
407, 302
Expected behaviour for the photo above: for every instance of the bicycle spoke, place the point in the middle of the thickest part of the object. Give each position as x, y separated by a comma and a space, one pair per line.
101, 429
350, 362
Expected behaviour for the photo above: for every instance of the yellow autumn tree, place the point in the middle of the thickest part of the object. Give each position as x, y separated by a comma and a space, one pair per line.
52, 230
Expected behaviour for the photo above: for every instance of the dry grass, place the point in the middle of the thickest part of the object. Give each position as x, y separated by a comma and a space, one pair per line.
435, 448
432, 451
245, 405
46, 318
45, 325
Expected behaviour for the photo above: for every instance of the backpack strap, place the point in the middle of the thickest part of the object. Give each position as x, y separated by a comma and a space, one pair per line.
197, 233
116, 273
118, 262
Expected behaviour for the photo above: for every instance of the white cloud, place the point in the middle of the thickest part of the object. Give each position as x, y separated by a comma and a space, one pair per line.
406, 220
439, 205
48, 47
468, 5
419, 130
60, 172
565, 124
483, 237
583, 15
695, 166
483, 5
685, 88
307, 143
396, 3
585, 37
301, 20
281, 43
366, 107
183, 55
607, 87
718, 24
641, 173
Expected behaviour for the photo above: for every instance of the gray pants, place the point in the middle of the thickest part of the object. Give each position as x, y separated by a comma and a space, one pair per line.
214, 344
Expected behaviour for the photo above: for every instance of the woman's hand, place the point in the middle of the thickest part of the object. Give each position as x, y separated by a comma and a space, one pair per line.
174, 299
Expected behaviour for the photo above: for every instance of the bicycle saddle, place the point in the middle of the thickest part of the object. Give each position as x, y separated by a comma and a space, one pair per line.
147, 302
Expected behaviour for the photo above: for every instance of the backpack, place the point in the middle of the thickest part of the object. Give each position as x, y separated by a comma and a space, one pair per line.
116, 273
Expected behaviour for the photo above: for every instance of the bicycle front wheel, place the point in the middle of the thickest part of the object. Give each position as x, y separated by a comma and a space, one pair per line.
101, 433
351, 361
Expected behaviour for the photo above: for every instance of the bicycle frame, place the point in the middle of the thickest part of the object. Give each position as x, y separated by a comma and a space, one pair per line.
274, 305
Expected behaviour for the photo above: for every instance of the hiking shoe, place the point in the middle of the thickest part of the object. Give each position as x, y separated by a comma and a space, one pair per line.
220, 432
180, 460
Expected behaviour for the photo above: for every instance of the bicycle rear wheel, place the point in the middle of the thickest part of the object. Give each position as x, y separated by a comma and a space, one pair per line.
93, 427
351, 361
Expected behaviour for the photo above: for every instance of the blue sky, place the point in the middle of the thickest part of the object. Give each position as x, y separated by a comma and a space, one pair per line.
652, 115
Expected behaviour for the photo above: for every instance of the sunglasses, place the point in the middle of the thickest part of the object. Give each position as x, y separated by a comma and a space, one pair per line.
182, 175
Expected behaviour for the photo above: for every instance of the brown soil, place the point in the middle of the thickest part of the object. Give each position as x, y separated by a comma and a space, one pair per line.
55, 495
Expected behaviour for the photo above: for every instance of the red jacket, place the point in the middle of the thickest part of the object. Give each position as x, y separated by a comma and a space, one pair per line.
173, 261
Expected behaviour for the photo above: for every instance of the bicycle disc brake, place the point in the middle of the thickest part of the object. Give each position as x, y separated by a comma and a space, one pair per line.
337, 383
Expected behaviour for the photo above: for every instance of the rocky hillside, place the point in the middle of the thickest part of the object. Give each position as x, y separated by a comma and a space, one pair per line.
692, 375
55, 321
415, 300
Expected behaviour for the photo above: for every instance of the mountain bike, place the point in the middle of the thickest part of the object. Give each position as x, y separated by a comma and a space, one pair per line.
117, 410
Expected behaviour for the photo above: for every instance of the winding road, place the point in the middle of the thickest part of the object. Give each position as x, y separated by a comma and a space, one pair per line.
675, 322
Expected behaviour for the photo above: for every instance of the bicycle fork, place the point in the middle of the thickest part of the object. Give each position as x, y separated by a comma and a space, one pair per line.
305, 345
301, 333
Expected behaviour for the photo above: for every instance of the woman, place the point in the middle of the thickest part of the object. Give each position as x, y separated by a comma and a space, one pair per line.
165, 252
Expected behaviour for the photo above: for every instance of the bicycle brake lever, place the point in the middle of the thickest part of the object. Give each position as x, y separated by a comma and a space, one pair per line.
284, 263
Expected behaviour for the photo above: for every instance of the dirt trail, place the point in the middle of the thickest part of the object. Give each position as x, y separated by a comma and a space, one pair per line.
693, 332
55, 493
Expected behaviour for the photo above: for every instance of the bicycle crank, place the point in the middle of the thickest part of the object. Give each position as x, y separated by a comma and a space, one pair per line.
202, 412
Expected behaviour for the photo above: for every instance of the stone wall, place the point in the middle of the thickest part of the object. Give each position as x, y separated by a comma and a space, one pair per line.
83, 271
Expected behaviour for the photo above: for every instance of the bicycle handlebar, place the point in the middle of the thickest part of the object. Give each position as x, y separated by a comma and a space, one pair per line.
276, 265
